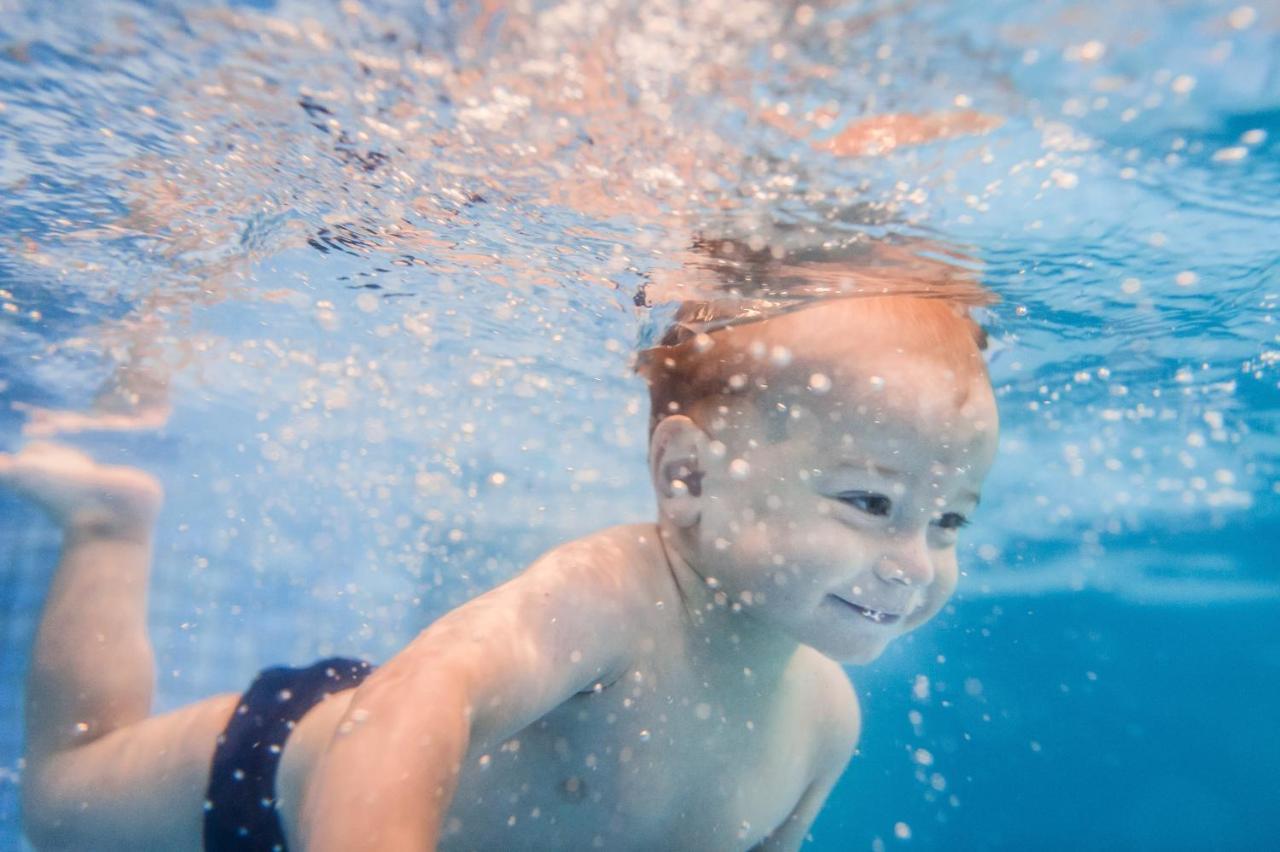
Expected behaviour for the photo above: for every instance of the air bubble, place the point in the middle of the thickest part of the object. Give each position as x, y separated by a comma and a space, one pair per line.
1242, 17
739, 469
1064, 179
819, 383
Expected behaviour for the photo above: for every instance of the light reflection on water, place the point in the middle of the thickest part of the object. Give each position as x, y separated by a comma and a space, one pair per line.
336, 270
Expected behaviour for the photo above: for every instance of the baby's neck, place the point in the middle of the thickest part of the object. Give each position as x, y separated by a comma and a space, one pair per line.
727, 637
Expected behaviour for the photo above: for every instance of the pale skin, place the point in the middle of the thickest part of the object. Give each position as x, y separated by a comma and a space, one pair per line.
671, 685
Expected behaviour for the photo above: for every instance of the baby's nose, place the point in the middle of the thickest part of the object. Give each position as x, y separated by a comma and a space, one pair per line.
907, 569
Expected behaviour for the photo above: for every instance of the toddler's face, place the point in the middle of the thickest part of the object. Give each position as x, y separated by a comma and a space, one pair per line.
834, 514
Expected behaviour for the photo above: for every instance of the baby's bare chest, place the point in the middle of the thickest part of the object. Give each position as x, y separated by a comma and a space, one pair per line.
646, 763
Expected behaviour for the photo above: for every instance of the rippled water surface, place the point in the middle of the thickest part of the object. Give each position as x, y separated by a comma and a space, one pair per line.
362, 283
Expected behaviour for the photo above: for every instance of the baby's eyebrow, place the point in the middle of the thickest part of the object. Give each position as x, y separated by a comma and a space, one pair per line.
881, 470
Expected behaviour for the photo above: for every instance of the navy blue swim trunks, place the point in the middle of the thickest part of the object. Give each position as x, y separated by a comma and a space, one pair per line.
240, 803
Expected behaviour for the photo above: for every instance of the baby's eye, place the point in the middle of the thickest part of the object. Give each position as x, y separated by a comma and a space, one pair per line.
952, 521
867, 501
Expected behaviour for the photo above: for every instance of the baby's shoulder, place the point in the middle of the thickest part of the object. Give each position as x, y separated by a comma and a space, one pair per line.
619, 546
616, 572
832, 704
624, 559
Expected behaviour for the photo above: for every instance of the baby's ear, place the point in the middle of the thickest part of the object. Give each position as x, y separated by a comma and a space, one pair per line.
677, 452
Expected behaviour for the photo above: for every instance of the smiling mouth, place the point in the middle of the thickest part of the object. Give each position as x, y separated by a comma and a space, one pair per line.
876, 615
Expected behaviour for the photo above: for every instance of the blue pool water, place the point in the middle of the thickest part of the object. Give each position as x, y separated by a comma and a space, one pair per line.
361, 279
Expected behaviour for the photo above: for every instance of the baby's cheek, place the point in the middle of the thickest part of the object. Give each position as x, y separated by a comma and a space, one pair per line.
820, 553
938, 593
762, 544
946, 575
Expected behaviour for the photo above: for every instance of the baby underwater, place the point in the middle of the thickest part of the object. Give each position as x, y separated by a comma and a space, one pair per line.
668, 685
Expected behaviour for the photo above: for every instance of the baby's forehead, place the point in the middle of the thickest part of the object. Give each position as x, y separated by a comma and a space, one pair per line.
907, 391
726, 373
915, 368
851, 337
904, 422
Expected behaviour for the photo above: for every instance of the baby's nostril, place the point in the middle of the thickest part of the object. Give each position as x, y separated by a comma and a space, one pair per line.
891, 572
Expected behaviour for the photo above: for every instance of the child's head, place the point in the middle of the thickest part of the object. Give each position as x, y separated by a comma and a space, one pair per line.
815, 465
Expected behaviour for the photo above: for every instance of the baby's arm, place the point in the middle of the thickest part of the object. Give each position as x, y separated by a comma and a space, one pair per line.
837, 728
482, 672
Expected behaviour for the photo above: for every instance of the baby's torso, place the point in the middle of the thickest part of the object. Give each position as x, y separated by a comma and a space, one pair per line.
665, 757
650, 762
